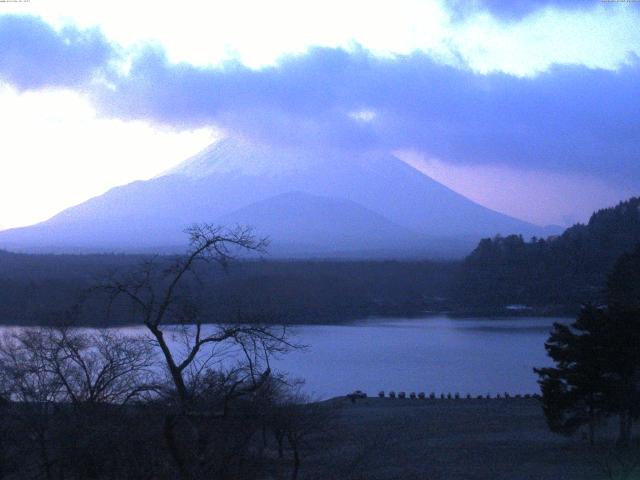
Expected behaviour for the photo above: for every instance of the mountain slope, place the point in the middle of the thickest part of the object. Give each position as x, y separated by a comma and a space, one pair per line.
233, 174
301, 224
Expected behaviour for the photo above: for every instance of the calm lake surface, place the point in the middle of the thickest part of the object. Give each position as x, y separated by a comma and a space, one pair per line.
431, 354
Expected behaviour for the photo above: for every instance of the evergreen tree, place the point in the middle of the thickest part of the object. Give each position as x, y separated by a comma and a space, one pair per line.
597, 360
623, 294
623, 284
575, 391
622, 368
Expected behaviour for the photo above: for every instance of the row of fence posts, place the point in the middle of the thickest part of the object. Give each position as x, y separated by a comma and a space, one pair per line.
454, 396
442, 396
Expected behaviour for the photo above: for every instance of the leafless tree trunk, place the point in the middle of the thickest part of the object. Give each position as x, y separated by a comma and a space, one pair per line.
226, 361
61, 380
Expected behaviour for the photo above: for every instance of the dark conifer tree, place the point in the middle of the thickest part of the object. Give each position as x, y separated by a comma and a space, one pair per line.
623, 295
623, 284
597, 359
575, 391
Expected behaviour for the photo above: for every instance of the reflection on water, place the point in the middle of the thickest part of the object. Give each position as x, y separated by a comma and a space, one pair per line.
432, 354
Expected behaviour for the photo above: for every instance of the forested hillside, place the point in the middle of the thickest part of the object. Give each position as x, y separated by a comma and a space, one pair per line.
556, 273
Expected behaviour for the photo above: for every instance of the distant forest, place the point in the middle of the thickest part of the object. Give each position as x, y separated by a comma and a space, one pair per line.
41, 289
554, 274
550, 276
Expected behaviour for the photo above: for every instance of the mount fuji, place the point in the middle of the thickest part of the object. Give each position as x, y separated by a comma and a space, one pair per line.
309, 204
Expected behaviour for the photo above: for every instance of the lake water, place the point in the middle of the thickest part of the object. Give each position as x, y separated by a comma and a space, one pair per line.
432, 354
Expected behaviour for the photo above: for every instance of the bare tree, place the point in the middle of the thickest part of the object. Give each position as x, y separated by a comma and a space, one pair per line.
294, 417
102, 366
27, 382
189, 392
64, 385
66, 365
209, 365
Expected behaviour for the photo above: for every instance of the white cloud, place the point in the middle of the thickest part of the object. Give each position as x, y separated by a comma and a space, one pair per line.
55, 152
204, 32
602, 37
365, 115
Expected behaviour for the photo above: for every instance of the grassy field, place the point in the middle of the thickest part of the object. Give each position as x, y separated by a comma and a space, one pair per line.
453, 439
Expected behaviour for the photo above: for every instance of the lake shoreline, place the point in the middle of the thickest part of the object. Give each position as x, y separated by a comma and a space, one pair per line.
431, 354
481, 314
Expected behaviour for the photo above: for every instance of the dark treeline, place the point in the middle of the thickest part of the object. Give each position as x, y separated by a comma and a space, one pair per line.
558, 274
554, 275
34, 289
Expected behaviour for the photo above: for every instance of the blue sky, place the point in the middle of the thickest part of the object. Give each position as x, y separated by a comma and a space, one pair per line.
530, 108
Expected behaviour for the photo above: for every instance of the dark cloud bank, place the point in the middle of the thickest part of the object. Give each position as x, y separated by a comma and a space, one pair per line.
568, 119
